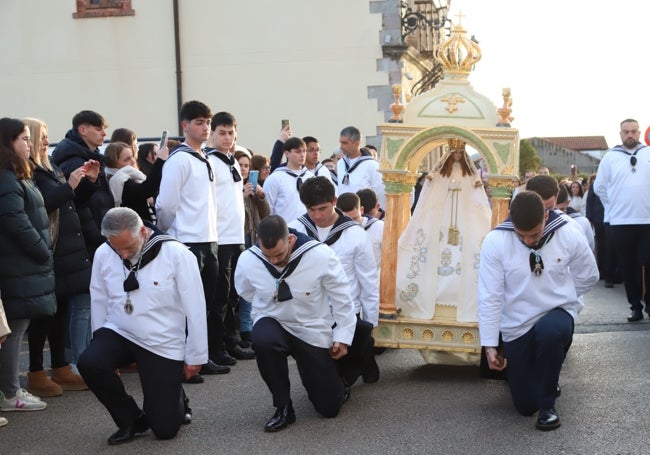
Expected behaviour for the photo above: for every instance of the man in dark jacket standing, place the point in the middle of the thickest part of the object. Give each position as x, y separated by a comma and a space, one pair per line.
81, 144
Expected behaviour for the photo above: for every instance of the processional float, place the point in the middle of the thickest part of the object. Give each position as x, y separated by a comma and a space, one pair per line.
452, 110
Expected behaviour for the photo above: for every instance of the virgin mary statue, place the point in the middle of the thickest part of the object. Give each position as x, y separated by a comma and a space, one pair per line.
438, 252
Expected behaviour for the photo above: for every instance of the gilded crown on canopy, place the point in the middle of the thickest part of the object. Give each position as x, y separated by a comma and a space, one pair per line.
458, 54
455, 143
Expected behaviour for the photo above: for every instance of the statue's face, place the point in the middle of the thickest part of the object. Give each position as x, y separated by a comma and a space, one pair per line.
457, 154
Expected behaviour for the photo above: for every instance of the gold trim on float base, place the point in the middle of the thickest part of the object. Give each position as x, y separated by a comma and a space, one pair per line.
427, 334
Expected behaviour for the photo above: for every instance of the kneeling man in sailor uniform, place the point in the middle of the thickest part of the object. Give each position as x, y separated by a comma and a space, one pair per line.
301, 307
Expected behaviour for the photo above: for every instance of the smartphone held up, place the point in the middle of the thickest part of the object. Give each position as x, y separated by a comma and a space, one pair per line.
252, 178
163, 139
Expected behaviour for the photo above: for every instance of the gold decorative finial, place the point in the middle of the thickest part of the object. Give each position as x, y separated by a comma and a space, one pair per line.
504, 112
397, 107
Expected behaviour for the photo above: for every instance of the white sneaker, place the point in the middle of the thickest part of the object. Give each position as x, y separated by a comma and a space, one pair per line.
3, 421
23, 401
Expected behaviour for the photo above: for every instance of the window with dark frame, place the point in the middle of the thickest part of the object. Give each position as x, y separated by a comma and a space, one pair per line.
103, 8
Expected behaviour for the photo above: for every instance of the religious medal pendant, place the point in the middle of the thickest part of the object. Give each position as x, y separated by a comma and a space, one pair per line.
537, 269
275, 296
128, 306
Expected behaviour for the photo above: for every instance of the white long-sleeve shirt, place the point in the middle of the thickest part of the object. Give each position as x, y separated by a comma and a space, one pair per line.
317, 283
511, 299
624, 193
366, 175
376, 236
281, 191
354, 250
186, 206
230, 203
587, 230
170, 294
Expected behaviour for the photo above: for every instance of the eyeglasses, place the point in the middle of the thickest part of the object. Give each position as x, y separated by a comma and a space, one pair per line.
633, 163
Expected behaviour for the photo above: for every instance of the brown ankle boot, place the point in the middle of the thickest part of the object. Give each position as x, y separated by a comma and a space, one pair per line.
67, 379
40, 385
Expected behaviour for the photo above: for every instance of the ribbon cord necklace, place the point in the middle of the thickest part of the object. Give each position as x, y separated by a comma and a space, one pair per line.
536, 263
128, 306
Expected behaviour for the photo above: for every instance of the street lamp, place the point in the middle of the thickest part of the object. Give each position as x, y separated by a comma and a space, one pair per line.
412, 20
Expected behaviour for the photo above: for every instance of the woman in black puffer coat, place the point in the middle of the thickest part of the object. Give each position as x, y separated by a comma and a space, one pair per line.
26, 267
72, 268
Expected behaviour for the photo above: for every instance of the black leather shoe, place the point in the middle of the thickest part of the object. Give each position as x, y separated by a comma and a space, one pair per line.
213, 368
346, 393
240, 354
126, 434
283, 416
635, 315
224, 358
187, 412
547, 419
370, 373
196, 379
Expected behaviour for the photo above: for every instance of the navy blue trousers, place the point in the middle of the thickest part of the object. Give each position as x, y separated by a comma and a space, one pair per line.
318, 372
361, 353
161, 380
207, 258
535, 360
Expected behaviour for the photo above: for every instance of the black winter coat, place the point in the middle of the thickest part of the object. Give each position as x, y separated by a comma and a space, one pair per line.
70, 154
72, 266
26, 269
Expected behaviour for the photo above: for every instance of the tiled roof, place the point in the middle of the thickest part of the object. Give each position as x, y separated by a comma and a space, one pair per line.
578, 143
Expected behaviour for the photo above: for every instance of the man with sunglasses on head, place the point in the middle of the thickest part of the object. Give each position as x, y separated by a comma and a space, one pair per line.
147, 307
230, 229
622, 186
533, 268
